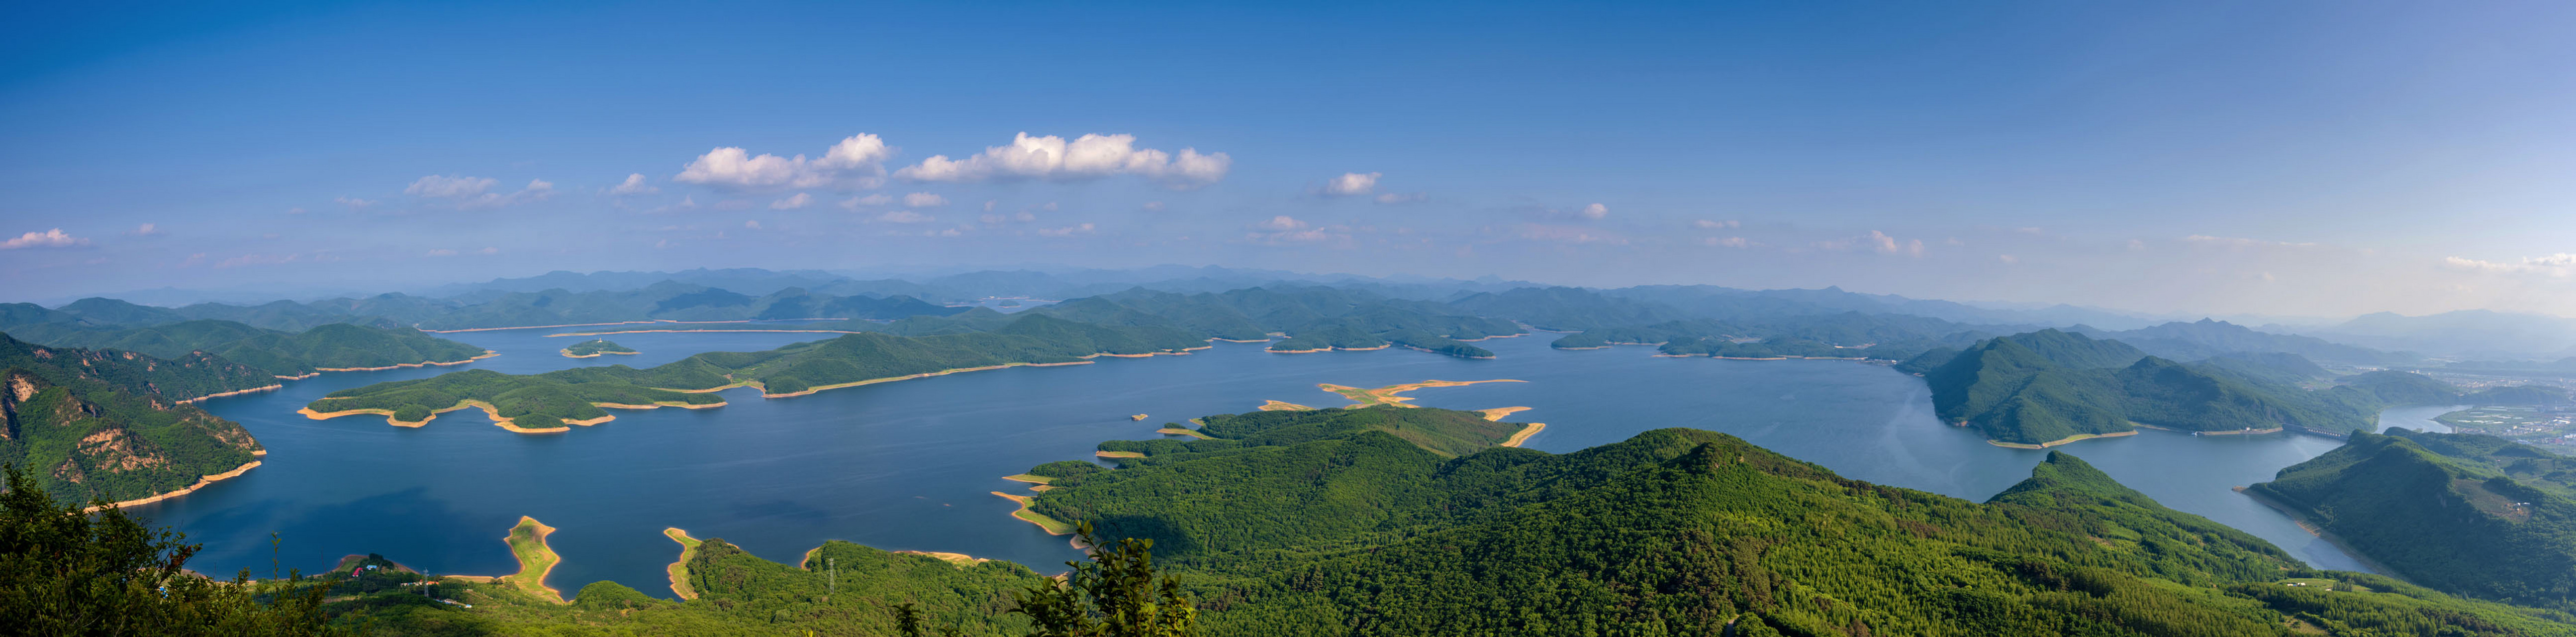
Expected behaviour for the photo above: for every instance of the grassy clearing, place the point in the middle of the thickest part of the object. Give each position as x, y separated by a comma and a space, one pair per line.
680, 570
528, 543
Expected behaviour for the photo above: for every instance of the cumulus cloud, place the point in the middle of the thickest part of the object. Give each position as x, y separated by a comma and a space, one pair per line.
905, 216
2007, 259
634, 185
856, 162
1066, 231
1594, 211
1086, 157
48, 239
146, 230
924, 200
1400, 197
470, 192
751, 223
852, 204
1712, 224
1281, 222
1152, 206
1727, 242
1352, 184
792, 203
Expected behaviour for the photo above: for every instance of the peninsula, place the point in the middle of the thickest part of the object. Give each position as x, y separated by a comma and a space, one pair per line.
553, 400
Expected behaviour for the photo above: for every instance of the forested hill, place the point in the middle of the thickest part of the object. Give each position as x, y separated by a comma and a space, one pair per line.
549, 400
324, 347
2494, 520
2049, 387
87, 423
1687, 532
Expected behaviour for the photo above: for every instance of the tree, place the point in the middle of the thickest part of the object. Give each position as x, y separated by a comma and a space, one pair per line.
68, 572
1116, 594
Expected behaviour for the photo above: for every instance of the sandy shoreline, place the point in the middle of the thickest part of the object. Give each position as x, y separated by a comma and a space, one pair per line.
679, 570
486, 354
236, 392
960, 560
201, 483
1523, 435
765, 392
1051, 525
568, 354
2061, 441
544, 551
2301, 518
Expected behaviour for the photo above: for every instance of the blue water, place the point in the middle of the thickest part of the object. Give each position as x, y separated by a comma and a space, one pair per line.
909, 465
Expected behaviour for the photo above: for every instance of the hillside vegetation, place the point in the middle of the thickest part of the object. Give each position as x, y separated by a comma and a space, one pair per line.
2482, 516
88, 424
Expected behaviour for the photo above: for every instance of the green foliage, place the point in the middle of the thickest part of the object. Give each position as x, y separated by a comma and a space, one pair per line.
75, 420
2048, 385
1117, 593
2459, 524
596, 347
328, 346
64, 572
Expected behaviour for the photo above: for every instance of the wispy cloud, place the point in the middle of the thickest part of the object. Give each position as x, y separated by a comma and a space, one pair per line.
1351, 184
791, 203
634, 185
469, 193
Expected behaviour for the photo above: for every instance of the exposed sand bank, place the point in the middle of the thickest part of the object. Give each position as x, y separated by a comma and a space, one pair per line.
201, 483
679, 570
961, 560
1394, 394
527, 542
486, 354
236, 392
1523, 435
2061, 441
1051, 525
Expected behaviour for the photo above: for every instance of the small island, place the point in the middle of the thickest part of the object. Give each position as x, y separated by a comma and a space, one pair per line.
596, 347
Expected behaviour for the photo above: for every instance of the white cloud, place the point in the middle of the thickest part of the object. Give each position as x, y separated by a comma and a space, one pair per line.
1066, 231
2238, 242
634, 185
1024, 217
852, 204
1400, 197
1153, 206
1727, 242
905, 216
1281, 222
1595, 211
924, 200
1712, 224
295, 211
792, 203
2007, 259
751, 223
991, 219
1086, 157
355, 203
48, 239
1876, 241
856, 162
2559, 265
1569, 234
441, 252
989, 203
448, 187
1352, 184
469, 192
146, 230
489, 250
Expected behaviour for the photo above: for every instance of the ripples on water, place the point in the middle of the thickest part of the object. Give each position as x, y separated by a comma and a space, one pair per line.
909, 465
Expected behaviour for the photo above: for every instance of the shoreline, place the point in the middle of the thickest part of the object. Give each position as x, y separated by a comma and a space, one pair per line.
237, 392
1052, 526
1394, 394
2061, 441
1524, 434
679, 570
486, 354
541, 552
764, 392
691, 332
2304, 523
568, 353
960, 560
642, 322
201, 483
489, 411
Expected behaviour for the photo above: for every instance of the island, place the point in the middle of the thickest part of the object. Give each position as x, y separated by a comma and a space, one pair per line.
553, 401
594, 348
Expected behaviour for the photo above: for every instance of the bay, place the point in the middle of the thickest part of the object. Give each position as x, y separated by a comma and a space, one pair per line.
910, 465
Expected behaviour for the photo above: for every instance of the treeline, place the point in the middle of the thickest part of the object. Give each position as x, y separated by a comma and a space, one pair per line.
330, 346
549, 399
87, 423
2470, 514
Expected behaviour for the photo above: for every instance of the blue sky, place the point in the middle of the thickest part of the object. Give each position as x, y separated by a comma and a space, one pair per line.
2294, 158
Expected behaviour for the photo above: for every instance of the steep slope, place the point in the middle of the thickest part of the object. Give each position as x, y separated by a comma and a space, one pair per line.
88, 427
2443, 522
334, 346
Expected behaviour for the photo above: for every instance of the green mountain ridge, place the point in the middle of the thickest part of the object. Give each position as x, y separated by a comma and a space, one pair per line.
2482, 517
88, 423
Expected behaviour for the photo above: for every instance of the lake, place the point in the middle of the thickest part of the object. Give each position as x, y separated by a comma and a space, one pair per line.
909, 465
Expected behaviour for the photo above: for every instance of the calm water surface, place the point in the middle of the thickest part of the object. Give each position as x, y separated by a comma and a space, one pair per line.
910, 465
